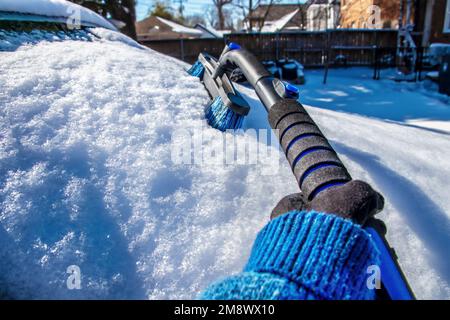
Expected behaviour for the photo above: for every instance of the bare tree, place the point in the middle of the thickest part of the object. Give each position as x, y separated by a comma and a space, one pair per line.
248, 9
124, 11
240, 5
211, 15
194, 19
120, 10
220, 4
228, 19
266, 13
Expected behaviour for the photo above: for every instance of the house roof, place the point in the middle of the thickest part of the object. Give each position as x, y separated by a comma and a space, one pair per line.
322, 2
276, 12
157, 24
277, 25
209, 30
317, 1
179, 28
289, 16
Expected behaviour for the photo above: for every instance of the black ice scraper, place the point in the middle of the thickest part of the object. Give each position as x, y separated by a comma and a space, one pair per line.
314, 163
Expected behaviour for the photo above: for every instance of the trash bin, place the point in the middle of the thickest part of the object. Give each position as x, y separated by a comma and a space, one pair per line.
444, 75
289, 71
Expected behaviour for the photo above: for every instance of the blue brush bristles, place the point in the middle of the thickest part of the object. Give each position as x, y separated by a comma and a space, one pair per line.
197, 69
219, 116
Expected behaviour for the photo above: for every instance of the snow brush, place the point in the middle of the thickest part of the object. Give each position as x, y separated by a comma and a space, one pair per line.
227, 109
313, 160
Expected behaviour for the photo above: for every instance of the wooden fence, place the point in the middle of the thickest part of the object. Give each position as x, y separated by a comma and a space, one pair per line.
310, 48
187, 49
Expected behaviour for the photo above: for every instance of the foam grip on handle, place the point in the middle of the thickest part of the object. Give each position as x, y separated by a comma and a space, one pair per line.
313, 161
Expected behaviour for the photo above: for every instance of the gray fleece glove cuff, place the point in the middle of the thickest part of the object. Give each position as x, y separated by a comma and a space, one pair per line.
355, 200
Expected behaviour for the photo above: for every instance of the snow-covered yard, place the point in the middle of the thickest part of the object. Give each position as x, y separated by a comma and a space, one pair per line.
353, 91
87, 178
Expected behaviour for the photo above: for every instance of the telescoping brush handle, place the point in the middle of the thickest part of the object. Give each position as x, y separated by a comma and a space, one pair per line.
314, 163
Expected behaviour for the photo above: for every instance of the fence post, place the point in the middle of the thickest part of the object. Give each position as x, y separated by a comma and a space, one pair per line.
182, 48
419, 63
277, 46
327, 55
376, 70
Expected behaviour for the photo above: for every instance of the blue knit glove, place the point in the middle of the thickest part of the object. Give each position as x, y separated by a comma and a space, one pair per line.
311, 249
304, 255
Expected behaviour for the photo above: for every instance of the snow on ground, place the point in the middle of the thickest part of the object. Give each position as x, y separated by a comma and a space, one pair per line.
87, 178
353, 91
55, 9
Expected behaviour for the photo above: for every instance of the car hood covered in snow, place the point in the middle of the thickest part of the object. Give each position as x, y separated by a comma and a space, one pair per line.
87, 177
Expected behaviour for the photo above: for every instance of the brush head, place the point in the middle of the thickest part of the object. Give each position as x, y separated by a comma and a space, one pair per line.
197, 70
228, 107
221, 117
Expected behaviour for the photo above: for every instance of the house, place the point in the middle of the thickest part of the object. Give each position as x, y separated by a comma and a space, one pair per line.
370, 14
430, 18
433, 21
322, 14
313, 15
157, 28
277, 17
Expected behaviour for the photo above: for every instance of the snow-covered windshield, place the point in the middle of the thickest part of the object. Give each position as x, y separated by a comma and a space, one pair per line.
55, 10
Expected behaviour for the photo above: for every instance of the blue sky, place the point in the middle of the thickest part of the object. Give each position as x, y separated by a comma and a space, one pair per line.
190, 6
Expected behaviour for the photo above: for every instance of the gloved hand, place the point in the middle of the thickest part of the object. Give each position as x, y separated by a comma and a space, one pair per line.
355, 200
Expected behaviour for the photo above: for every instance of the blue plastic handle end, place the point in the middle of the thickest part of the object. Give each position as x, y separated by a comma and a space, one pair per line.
233, 46
291, 90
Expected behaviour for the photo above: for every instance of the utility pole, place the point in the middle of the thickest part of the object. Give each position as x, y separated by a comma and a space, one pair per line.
400, 27
427, 23
181, 7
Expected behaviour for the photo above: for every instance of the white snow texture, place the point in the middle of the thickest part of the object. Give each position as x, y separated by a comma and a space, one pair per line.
86, 177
